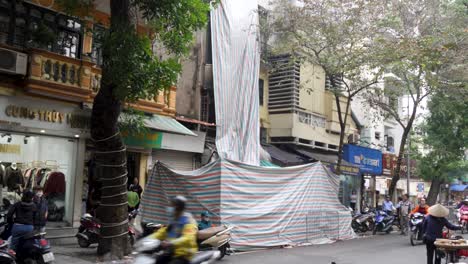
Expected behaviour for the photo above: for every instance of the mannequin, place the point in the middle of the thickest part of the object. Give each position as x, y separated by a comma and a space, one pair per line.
14, 178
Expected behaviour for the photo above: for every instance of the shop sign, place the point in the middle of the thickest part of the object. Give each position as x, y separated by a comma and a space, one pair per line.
389, 162
420, 187
369, 160
149, 139
52, 116
10, 148
349, 170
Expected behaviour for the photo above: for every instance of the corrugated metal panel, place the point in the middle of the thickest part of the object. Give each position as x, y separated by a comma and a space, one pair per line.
177, 160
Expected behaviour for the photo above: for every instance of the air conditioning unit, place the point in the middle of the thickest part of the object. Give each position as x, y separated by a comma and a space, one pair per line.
13, 62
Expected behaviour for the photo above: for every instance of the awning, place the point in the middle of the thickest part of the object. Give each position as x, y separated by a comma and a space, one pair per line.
332, 160
458, 188
167, 124
282, 157
266, 163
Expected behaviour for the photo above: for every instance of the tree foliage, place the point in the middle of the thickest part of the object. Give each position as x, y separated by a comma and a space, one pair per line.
339, 36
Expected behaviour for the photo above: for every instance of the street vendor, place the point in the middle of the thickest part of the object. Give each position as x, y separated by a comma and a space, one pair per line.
432, 230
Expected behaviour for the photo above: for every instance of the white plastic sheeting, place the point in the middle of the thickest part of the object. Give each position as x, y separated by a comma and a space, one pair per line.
236, 64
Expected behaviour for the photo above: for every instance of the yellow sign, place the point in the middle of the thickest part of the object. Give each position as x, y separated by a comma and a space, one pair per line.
9, 148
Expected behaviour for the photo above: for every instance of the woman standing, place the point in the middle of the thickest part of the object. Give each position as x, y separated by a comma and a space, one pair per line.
432, 230
22, 216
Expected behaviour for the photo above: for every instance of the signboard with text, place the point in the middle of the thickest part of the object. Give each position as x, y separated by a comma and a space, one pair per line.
369, 160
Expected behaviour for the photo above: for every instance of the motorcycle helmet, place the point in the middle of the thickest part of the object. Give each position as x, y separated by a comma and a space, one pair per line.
179, 202
205, 214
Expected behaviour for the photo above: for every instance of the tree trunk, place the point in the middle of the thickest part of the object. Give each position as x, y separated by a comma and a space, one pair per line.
434, 191
110, 155
342, 130
396, 172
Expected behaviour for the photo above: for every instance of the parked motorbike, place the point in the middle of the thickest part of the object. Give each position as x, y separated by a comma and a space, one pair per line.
415, 225
215, 238
89, 230
463, 219
149, 228
34, 249
363, 222
149, 249
7, 256
383, 222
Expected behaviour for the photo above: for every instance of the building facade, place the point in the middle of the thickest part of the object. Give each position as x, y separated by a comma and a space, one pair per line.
47, 86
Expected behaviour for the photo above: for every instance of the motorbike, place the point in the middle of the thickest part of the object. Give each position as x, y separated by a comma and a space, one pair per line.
415, 225
7, 256
34, 248
89, 230
361, 223
383, 222
463, 220
215, 238
149, 228
148, 250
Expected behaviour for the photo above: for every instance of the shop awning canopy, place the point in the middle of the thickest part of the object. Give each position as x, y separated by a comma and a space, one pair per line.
458, 188
268, 164
167, 124
283, 157
327, 158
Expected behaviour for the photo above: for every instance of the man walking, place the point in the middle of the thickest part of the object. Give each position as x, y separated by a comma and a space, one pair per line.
405, 209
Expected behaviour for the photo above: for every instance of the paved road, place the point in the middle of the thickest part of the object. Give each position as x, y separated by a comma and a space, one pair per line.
382, 249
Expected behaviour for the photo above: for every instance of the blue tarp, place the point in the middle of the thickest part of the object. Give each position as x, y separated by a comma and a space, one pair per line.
458, 188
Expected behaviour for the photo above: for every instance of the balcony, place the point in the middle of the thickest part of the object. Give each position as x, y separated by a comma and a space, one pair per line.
70, 79
62, 77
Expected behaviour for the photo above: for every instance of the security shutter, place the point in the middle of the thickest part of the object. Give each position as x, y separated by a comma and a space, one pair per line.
177, 160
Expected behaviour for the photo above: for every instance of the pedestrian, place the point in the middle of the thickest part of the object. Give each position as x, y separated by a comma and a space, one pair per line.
135, 187
387, 205
21, 215
42, 209
205, 222
353, 200
432, 230
404, 211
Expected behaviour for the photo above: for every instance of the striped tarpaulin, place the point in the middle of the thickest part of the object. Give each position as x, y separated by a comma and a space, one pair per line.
236, 64
267, 206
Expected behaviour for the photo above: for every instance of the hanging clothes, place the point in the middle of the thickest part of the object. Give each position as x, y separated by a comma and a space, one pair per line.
55, 184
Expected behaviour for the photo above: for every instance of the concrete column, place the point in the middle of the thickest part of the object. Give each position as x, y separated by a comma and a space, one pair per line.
78, 184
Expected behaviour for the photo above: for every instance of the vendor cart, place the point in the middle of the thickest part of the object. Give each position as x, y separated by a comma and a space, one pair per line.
452, 249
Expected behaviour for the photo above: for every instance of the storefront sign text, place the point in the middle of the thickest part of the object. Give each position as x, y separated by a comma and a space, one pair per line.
369, 160
10, 148
52, 116
349, 170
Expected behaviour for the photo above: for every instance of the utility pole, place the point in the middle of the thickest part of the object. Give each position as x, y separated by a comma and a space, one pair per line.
408, 173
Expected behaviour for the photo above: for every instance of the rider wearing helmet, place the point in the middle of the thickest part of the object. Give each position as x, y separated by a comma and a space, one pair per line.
179, 238
205, 221
422, 208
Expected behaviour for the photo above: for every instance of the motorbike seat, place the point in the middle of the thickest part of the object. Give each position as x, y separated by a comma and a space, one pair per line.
209, 232
33, 235
204, 256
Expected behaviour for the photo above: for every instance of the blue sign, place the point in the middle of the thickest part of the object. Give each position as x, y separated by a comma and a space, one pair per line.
369, 160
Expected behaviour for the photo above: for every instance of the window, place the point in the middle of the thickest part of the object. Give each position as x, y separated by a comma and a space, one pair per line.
25, 25
96, 53
263, 135
377, 135
390, 143
261, 84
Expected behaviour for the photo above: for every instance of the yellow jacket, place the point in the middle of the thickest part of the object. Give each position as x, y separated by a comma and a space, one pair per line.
182, 233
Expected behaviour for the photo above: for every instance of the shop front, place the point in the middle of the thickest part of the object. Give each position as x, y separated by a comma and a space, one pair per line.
42, 144
370, 163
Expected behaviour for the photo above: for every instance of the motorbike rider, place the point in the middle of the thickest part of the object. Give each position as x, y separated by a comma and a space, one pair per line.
179, 238
205, 221
422, 208
22, 216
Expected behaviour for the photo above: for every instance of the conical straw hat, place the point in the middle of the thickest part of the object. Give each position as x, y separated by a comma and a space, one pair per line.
438, 210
